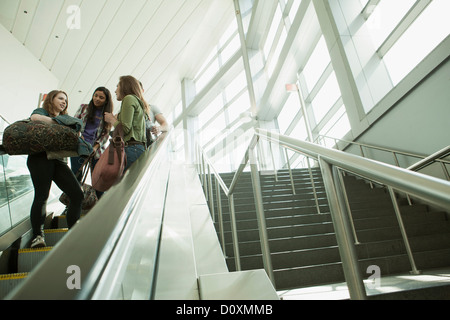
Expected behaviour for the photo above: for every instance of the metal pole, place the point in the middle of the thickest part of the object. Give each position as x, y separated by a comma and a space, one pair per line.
313, 186
347, 205
211, 198
403, 231
273, 161
205, 190
234, 236
262, 228
344, 237
290, 171
219, 210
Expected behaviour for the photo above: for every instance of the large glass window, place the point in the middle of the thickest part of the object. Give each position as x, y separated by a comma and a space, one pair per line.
424, 35
318, 62
213, 108
326, 97
287, 114
386, 17
337, 127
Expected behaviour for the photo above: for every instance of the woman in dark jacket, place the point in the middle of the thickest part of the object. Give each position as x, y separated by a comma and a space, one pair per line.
44, 171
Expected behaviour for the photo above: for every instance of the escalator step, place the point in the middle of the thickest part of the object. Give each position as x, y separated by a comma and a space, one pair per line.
29, 258
52, 236
9, 281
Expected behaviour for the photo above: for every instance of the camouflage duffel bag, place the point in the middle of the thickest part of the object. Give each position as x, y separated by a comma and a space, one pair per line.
31, 137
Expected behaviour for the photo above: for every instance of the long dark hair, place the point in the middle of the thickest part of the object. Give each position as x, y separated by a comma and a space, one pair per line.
107, 107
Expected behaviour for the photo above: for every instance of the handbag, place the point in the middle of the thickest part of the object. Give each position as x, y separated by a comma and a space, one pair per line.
109, 168
90, 196
27, 137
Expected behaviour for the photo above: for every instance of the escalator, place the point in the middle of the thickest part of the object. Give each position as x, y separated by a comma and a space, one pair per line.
128, 247
93, 242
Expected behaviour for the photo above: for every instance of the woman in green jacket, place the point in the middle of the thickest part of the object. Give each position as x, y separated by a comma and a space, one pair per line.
131, 116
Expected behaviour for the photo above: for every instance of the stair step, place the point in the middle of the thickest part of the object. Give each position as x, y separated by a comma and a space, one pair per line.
303, 244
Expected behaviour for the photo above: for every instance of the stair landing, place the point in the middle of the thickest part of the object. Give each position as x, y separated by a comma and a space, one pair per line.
390, 287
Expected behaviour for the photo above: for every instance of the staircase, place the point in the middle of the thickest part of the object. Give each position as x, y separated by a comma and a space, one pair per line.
22, 259
303, 244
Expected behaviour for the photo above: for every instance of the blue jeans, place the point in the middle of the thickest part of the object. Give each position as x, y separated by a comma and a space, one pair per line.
133, 153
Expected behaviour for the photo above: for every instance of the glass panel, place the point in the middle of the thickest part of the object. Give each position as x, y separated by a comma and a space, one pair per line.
424, 35
277, 52
236, 86
287, 114
210, 111
239, 106
231, 49
326, 98
16, 191
294, 9
337, 127
272, 32
386, 17
207, 75
317, 63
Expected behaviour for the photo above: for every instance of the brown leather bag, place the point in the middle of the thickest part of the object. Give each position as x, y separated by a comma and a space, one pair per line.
112, 162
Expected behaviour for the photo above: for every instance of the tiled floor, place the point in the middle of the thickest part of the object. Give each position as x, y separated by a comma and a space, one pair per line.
389, 284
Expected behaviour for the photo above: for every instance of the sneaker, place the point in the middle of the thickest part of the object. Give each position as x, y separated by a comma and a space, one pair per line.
38, 242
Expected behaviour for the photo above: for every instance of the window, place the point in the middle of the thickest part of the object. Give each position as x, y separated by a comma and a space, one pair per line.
326, 98
290, 109
294, 9
385, 18
422, 37
210, 111
337, 127
239, 106
317, 63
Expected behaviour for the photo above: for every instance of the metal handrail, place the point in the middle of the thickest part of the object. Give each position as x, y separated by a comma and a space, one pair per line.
436, 157
332, 163
424, 162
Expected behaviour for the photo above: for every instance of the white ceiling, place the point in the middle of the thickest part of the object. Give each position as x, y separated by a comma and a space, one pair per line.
159, 42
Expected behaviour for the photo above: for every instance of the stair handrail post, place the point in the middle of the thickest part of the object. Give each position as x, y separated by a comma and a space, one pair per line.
316, 200
347, 205
398, 214
262, 228
234, 235
288, 161
344, 236
211, 197
220, 213
205, 184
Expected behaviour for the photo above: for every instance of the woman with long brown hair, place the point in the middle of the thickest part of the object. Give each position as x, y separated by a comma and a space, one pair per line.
132, 117
95, 130
44, 171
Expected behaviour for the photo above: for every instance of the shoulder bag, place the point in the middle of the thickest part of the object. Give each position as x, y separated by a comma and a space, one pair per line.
109, 168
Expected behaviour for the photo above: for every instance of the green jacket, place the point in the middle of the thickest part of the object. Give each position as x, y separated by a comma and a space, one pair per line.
132, 118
